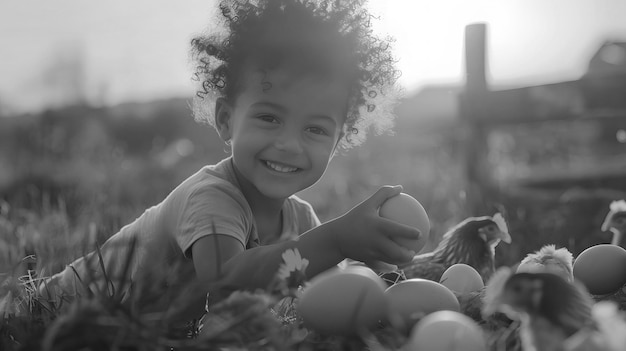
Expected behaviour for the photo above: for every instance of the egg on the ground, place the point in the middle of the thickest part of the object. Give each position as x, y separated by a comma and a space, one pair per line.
343, 301
462, 278
412, 299
405, 209
445, 331
601, 268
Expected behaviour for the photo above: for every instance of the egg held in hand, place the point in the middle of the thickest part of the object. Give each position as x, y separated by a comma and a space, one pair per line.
405, 209
343, 301
601, 268
445, 331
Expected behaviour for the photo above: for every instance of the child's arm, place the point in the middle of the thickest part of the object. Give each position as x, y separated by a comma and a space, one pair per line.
360, 234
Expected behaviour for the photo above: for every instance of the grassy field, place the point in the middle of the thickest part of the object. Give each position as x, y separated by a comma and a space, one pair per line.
71, 178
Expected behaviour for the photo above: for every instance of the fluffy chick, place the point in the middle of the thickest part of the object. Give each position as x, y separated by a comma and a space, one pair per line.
472, 242
549, 259
549, 307
615, 221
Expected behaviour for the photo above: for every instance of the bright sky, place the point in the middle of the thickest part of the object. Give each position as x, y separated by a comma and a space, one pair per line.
137, 49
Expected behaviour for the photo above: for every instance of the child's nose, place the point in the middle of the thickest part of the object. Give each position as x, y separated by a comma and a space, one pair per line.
289, 142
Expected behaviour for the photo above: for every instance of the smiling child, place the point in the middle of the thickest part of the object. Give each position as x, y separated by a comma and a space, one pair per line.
286, 84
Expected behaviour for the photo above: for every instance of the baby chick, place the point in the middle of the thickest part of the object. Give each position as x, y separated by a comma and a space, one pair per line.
550, 260
549, 307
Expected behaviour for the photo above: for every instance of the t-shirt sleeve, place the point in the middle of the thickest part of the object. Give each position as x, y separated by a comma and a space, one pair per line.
212, 210
313, 220
307, 218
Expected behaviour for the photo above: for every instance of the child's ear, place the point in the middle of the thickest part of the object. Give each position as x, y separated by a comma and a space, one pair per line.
223, 120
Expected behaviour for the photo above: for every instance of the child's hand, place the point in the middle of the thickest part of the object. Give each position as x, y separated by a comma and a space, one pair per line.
361, 234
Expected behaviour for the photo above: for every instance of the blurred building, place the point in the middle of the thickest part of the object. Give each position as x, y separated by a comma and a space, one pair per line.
558, 135
602, 86
604, 83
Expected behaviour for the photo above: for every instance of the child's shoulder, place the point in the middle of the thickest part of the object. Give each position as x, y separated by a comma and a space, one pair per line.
207, 176
216, 181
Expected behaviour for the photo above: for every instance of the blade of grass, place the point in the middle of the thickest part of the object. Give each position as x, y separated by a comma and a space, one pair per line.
107, 280
125, 268
90, 292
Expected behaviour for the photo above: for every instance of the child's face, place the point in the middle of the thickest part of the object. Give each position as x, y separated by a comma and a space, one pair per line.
284, 135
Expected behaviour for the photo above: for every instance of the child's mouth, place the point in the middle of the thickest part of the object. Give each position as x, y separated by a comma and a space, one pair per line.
280, 168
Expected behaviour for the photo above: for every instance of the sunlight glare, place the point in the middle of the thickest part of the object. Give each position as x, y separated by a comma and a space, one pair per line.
429, 34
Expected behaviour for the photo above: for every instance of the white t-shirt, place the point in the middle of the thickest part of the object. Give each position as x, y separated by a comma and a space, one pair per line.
207, 203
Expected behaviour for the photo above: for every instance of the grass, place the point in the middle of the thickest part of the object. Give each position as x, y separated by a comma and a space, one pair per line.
40, 319
103, 320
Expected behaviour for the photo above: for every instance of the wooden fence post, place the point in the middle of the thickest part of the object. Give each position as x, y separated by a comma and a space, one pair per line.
474, 110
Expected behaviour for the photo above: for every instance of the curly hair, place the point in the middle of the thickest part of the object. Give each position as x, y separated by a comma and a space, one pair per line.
321, 37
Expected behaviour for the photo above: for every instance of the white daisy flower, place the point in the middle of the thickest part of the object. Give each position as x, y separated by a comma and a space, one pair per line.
292, 262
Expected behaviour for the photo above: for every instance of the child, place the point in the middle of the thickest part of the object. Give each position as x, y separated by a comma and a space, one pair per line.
287, 85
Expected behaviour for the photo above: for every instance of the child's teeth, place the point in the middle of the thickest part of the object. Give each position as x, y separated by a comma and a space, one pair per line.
280, 168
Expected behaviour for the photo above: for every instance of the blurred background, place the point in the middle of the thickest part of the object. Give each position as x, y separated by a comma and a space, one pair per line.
523, 112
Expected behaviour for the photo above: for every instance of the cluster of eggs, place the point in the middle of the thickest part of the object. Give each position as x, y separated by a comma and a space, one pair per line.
354, 299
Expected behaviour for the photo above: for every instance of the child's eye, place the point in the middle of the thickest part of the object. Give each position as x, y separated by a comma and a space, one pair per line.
317, 130
268, 118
